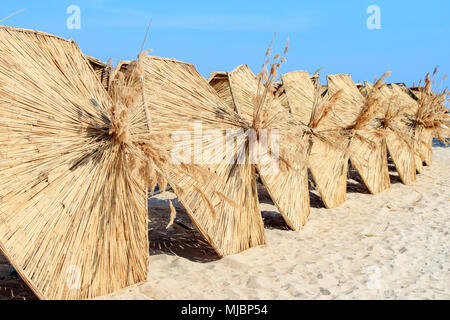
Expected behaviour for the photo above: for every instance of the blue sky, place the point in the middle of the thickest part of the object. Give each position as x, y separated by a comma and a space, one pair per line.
213, 35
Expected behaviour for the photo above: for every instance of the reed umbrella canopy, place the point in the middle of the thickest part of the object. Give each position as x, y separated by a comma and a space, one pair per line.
214, 184
285, 175
367, 144
315, 109
431, 118
411, 132
398, 124
73, 214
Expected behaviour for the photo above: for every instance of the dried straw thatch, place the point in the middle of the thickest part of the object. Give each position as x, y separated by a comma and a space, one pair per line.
400, 92
73, 216
365, 88
188, 117
403, 137
117, 73
288, 186
423, 137
425, 145
397, 121
368, 144
328, 160
220, 82
431, 118
101, 69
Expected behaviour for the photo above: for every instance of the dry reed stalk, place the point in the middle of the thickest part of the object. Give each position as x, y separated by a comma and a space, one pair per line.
73, 214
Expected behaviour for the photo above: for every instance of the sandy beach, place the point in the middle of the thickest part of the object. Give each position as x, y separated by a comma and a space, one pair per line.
394, 245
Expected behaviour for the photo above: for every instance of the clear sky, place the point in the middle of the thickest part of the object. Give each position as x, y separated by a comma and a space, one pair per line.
220, 35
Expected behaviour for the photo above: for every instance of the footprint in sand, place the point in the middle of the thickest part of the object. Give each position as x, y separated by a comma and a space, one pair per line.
377, 228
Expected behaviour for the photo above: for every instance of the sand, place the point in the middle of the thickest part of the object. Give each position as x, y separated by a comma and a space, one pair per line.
394, 245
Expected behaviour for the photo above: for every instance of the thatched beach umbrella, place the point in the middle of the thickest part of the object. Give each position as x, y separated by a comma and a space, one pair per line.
327, 157
410, 110
398, 97
101, 69
368, 144
397, 121
423, 137
431, 118
73, 215
214, 184
256, 104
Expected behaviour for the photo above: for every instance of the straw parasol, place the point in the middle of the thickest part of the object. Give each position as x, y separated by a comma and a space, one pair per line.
411, 107
408, 138
431, 119
368, 144
73, 215
313, 107
256, 103
215, 185
424, 137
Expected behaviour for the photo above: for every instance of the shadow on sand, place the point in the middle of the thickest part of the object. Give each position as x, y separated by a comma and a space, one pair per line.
182, 239
13, 289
